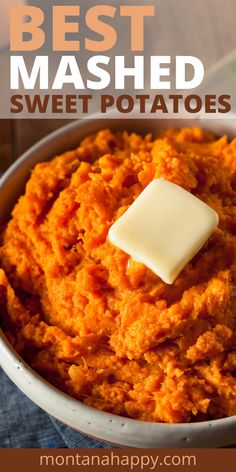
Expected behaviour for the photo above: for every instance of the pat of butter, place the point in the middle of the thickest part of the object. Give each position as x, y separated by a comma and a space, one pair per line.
164, 228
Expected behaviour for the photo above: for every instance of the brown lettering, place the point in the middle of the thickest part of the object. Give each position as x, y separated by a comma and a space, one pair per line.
189, 107
224, 100
37, 103
57, 102
142, 102
71, 103
159, 104
210, 103
176, 99
85, 102
16, 102
125, 103
106, 102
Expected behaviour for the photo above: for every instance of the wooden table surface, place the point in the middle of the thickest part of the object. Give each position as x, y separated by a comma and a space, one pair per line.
205, 28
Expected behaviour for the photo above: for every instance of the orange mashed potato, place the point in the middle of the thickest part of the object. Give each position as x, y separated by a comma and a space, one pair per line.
96, 324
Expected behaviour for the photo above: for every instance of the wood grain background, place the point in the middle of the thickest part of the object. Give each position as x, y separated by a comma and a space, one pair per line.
205, 28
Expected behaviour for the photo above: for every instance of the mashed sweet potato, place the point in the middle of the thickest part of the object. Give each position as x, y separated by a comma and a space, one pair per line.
100, 326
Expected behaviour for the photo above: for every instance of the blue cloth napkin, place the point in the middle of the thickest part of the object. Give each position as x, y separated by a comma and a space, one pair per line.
24, 424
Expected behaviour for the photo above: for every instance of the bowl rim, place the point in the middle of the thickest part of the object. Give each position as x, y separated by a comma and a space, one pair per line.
26, 378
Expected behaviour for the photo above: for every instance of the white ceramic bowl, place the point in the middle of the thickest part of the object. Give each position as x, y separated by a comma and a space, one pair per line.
95, 423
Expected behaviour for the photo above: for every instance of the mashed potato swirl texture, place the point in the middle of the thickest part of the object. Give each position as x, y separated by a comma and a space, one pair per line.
98, 325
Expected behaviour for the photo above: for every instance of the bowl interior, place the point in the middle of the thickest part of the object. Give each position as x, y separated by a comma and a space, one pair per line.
99, 424
13, 181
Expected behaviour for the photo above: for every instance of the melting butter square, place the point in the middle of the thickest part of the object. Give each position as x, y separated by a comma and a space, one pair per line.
164, 228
